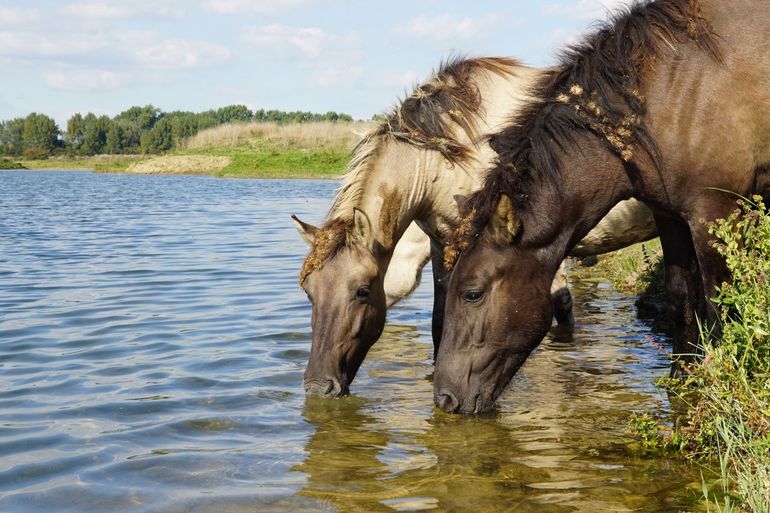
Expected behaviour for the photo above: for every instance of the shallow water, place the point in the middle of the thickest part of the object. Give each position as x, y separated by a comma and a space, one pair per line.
152, 344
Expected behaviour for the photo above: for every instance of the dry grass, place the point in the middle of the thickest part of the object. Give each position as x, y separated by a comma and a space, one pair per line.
321, 135
180, 164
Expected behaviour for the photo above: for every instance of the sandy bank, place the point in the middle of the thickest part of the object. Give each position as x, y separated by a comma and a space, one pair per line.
180, 164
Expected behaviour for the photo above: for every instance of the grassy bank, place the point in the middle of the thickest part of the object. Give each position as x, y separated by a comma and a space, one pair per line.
102, 163
10, 164
728, 395
637, 270
270, 150
239, 150
724, 420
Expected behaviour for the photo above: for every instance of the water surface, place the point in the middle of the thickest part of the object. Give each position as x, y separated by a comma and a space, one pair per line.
152, 344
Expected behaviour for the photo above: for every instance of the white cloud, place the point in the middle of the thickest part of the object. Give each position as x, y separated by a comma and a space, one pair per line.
113, 49
586, 9
13, 16
334, 74
85, 79
106, 10
446, 27
395, 81
308, 42
101, 10
35, 45
178, 53
252, 6
332, 59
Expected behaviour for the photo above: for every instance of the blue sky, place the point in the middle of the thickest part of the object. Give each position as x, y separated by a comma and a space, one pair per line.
103, 56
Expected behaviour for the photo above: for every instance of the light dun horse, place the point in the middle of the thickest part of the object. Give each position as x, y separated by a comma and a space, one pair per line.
412, 167
668, 102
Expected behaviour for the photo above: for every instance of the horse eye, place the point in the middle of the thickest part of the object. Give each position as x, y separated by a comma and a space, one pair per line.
473, 296
362, 292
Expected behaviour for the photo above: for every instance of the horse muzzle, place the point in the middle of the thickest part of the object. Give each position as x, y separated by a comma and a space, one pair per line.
325, 387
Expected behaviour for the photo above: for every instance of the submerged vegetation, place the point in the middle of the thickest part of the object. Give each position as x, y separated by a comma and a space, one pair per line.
726, 396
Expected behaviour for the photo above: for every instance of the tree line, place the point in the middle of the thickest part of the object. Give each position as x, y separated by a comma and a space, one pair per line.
136, 130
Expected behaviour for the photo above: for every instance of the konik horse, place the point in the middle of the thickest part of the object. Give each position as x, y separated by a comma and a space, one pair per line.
669, 102
428, 152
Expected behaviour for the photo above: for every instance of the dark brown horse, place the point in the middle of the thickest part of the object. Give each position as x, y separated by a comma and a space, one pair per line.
668, 102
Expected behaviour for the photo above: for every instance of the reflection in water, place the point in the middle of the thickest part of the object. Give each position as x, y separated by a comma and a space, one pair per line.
153, 339
557, 442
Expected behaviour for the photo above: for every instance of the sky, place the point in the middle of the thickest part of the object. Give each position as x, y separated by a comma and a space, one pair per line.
358, 57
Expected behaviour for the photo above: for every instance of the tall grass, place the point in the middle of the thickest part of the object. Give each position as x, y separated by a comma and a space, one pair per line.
309, 136
634, 269
728, 393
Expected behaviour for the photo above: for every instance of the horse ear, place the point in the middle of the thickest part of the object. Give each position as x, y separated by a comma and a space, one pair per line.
306, 231
504, 224
362, 227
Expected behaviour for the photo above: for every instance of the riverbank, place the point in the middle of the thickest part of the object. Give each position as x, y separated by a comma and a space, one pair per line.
723, 418
239, 150
10, 164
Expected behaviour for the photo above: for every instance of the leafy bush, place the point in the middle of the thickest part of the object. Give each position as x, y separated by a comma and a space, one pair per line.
35, 153
9, 164
729, 391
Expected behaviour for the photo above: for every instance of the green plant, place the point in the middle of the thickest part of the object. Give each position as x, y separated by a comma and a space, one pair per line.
729, 391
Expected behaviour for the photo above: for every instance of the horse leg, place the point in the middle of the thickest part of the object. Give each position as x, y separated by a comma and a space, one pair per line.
440, 283
562, 299
683, 286
713, 267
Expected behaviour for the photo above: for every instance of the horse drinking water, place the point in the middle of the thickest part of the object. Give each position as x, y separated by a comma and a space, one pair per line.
669, 102
411, 167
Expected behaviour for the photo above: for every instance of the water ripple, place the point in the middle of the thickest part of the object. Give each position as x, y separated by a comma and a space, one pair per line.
152, 344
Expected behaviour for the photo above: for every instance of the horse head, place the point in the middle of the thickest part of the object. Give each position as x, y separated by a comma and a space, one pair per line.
343, 280
489, 330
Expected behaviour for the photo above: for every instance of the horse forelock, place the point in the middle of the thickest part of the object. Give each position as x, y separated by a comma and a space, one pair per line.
328, 241
596, 88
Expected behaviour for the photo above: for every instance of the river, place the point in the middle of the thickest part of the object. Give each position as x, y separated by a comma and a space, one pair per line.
152, 342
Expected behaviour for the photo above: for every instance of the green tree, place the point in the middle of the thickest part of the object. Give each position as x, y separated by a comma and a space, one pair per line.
160, 138
183, 125
234, 113
143, 117
12, 137
95, 137
207, 119
76, 131
40, 134
115, 141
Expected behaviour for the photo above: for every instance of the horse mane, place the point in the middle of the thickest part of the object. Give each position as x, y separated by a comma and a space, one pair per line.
595, 88
427, 118
450, 97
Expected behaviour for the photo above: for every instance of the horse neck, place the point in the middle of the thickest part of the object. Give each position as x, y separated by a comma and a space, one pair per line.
392, 192
558, 216
504, 95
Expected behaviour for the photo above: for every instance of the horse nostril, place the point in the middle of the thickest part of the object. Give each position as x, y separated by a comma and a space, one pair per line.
334, 389
328, 387
447, 401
